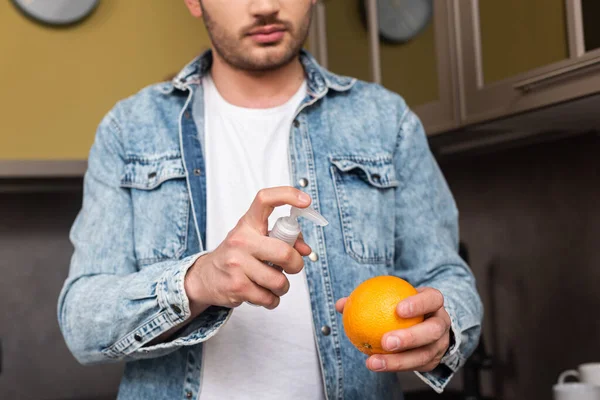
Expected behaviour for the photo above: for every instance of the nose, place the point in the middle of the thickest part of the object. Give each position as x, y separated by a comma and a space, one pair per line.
264, 8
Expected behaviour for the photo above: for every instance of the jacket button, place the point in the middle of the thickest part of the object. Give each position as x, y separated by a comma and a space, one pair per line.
325, 330
137, 337
188, 394
197, 171
186, 114
313, 256
176, 309
303, 182
296, 123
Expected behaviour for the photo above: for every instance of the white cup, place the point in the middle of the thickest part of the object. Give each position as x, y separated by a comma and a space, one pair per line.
576, 391
585, 373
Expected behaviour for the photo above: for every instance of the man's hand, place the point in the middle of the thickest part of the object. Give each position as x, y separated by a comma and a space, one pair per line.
235, 272
420, 347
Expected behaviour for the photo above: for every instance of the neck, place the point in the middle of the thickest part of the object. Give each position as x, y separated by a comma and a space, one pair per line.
251, 89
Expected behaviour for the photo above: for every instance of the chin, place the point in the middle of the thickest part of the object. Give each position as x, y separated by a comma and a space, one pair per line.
275, 54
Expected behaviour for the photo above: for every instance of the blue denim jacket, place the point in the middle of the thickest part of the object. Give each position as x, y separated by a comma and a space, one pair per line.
143, 221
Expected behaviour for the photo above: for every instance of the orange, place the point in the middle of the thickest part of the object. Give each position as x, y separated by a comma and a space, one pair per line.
370, 312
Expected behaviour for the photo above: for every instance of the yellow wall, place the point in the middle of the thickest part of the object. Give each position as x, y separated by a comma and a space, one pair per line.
409, 69
518, 36
56, 84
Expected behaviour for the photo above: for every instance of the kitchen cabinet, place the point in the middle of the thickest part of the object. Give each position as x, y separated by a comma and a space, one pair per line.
515, 56
422, 71
590, 9
481, 62
419, 70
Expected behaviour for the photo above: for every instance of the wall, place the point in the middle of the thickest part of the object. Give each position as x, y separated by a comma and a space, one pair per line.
531, 220
34, 261
59, 83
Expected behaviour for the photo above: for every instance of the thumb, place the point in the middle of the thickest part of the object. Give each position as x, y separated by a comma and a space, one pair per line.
339, 305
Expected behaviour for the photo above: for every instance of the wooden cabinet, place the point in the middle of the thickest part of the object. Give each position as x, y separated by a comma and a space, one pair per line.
418, 70
589, 11
517, 55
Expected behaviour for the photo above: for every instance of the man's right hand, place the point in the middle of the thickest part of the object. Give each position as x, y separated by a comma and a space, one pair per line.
235, 271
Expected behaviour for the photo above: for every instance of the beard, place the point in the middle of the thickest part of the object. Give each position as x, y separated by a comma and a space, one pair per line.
235, 50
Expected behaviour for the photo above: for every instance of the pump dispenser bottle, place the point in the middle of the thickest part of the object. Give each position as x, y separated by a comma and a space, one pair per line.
288, 228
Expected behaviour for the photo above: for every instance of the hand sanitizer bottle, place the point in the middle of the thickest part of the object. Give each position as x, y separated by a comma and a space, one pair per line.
288, 228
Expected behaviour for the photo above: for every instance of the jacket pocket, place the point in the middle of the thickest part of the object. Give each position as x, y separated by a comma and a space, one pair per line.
364, 188
160, 207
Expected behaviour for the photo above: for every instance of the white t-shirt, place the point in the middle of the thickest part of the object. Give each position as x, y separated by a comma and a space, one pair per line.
259, 353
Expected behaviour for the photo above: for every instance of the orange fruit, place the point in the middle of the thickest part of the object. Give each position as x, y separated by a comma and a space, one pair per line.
370, 312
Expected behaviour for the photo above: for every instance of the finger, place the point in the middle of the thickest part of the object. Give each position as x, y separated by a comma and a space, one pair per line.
429, 331
427, 301
418, 359
277, 252
267, 199
267, 277
301, 246
339, 305
259, 296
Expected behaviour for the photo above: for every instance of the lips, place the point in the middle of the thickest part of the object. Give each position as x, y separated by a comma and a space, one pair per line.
267, 34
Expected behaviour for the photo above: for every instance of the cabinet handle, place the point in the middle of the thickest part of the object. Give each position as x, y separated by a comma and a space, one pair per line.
570, 71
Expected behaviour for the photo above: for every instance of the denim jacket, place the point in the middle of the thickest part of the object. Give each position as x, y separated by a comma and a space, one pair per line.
143, 220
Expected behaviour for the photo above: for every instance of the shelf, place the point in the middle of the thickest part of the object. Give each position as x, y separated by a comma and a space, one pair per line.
42, 169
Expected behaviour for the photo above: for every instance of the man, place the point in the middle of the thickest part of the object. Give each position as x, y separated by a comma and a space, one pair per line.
186, 178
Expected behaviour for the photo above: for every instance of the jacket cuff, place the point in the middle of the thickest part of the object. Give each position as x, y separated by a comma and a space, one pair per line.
441, 375
173, 310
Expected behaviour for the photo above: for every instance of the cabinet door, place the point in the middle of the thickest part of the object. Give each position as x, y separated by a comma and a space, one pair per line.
418, 70
518, 55
588, 11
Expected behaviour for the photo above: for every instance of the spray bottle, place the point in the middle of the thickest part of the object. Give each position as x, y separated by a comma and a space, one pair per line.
287, 229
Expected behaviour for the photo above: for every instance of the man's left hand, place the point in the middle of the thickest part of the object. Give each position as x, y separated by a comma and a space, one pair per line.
420, 347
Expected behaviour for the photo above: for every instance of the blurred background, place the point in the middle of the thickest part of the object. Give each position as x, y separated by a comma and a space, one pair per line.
508, 92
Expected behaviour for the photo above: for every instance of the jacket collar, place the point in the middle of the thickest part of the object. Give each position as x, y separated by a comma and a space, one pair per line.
319, 80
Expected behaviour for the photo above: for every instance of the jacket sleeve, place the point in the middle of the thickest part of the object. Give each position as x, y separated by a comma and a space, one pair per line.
108, 310
426, 245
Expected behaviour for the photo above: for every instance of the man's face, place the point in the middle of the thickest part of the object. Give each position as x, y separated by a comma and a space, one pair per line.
255, 35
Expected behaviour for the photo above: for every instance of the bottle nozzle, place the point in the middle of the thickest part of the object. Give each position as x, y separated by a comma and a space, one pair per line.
309, 213
288, 229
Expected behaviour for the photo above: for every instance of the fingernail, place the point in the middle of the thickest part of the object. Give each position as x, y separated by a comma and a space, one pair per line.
392, 343
404, 309
304, 197
378, 364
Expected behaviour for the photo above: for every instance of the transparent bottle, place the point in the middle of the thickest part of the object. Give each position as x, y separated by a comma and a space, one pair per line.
288, 228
